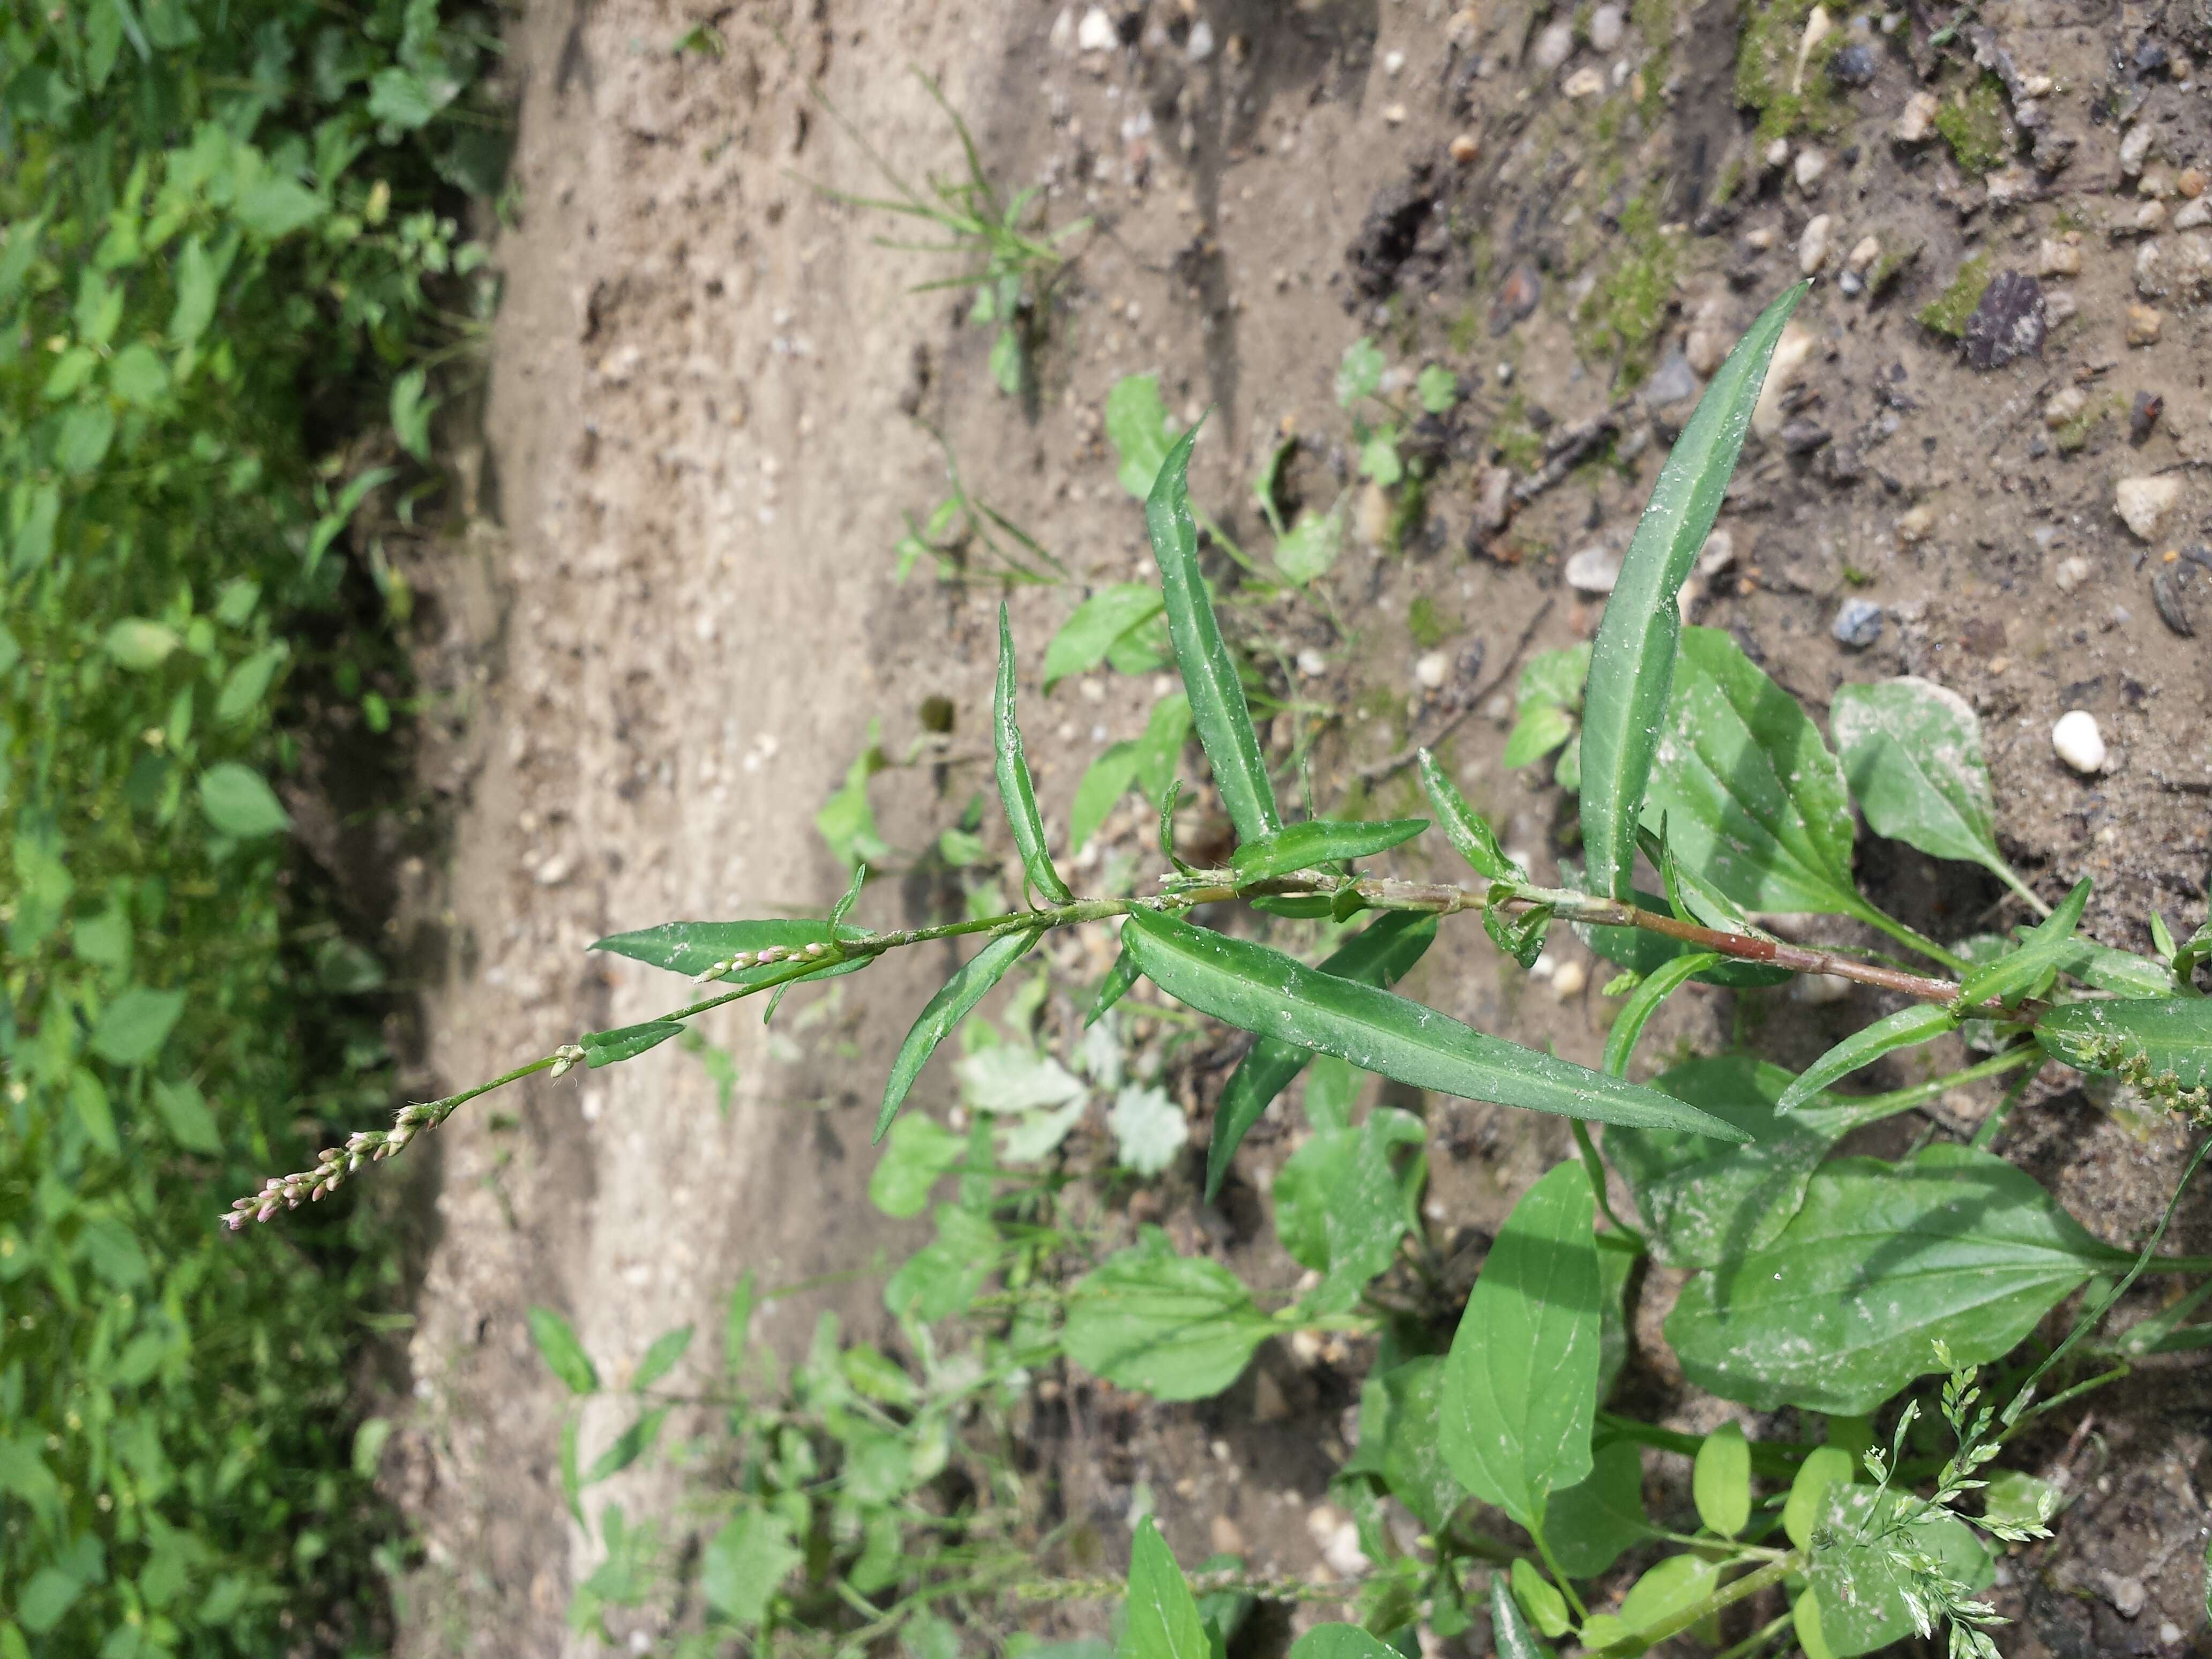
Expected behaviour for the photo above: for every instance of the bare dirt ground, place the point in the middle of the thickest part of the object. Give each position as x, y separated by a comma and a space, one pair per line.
673, 618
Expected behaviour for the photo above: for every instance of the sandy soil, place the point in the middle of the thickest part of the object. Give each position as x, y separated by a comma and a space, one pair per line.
673, 619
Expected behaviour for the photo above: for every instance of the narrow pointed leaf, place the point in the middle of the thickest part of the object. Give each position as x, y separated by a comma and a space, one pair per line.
1907, 1028
1380, 955
1510, 1629
660, 1359
1841, 1310
1262, 991
1017, 791
563, 1354
693, 947
1469, 834
628, 1042
1912, 750
1644, 1002
1521, 1390
2172, 1036
1115, 985
1084, 638
1632, 664
944, 1010
1209, 674
631, 1444
1163, 1621
2043, 951
1318, 842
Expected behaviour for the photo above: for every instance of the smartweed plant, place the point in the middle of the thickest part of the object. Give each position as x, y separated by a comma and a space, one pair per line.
1827, 1284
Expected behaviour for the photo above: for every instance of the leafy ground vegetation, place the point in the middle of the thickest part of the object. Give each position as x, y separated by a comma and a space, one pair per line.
225, 228
865, 1495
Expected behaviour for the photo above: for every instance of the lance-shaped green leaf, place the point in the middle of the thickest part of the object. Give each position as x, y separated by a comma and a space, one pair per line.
1084, 638
1163, 1621
609, 1048
1137, 426
2042, 951
695, 947
1854, 1574
1115, 985
1400, 1430
1632, 663
1521, 1386
944, 1010
1470, 835
1841, 1311
661, 1358
2121, 972
1753, 801
1912, 750
1209, 673
1923, 1022
1262, 991
632, 1444
1017, 791
1510, 1629
1342, 1203
1318, 842
2170, 1039
1591, 1524
1340, 1641
563, 1354
1644, 1002
1173, 1327
1380, 955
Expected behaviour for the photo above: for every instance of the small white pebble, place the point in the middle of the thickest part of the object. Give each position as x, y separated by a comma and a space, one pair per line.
1312, 664
1821, 988
1568, 979
1393, 62
2071, 572
1431, 668
2078, 741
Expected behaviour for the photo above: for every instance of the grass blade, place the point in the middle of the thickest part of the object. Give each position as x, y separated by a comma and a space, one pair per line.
1381, 956
944, 1010
1017, 790
1209, 675
1632, 666
1921, 1022
1263, 991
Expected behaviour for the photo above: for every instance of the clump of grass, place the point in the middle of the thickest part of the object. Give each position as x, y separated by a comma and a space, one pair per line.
1973, 124
1946, 313
1622, 319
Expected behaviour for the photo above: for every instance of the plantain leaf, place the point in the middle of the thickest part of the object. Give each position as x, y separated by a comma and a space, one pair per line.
1471, 837
2172, 1036
1912, 750
1262, 991
946, 1009
1521, 1386
1017, 791
2043, 951
1209, 674
1907, 1028
1318, 842
1840, 1311
1381, 956
1753, 801
1632, 662
1342, 1203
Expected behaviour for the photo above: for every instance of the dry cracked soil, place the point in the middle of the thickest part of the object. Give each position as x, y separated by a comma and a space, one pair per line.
668, 617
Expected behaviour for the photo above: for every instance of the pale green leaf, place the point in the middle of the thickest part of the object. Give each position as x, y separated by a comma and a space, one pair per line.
239, 804
1017, 791
1176, 1327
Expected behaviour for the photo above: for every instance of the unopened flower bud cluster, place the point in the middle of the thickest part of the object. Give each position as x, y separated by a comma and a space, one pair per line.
774, 953
334, 1163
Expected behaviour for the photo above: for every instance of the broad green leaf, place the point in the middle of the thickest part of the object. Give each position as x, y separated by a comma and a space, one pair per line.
240, 804
1035, 1136
81, 444
847, 821
1318, 842
1632, 661
184, 1110
1379, 458
1720, 1480
1541, 728
1470, 835
943, 1277
1310, 548
1805, 1626
632, 1444
660, 1359
564, 1356
917, 1153
1539, 1598
1104, 783
1753, 801
2170, 1038
1863, 1606
627, 1041
1923, 1022
1137, 426
1912, 750
1011, 1076
1401, 1439
693, 948
1840, 1311
2029, 971
1149, 1128
743, 1563
139, 645
1160, 746
1209, 674
1340, 1641
132, 1030
197, 286
137, 375
1359, 374
1380, 955
1017, 791
2121, 972
1437, 388
274, 207
88, 1100
1262, 991
1342, 1205
951, 1004
1675, 1584
1592, 1523
1704, 1204
1823, 1467
1522, 1386
1085, 637
1006, 361
1333, 1087
1119, 978
45, 1597
1163, 1621
1644, 1002
248, 683
1176, 1327
1509, 1626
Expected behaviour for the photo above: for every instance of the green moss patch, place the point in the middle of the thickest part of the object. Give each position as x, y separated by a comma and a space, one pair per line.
1621, 318
1947, 311
1973, 123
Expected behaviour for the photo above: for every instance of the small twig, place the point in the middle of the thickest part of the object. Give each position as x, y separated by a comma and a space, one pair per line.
1382, 768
